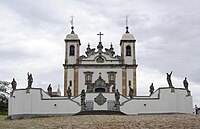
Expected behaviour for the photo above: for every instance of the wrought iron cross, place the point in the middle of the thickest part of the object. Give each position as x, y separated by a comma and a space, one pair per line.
72, 20
100, 34
126, 21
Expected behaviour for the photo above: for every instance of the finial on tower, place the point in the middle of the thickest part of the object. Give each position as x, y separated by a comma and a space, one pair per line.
111, 46
88, 48
126, 21
88, 45
99, 75
72, 24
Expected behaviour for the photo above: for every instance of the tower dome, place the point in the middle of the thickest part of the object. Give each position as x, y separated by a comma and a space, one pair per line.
72, 35
127, 35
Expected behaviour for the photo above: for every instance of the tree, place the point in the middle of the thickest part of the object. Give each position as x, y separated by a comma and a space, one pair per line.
3, 104
4, 93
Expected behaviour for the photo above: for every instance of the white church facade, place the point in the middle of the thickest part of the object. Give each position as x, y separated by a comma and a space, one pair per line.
99, 81
116, 72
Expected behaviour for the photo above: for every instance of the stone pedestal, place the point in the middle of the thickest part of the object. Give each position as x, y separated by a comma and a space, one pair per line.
172, 90
188, 93
117, 106
83, 106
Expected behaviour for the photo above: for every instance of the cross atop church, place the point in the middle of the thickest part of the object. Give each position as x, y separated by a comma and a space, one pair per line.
100, 34
72, 20
126, 21
72, 23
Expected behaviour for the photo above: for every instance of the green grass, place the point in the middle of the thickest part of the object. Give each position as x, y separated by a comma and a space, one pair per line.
4, 117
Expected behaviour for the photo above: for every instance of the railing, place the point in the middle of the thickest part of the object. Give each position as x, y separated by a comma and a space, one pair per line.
57, 98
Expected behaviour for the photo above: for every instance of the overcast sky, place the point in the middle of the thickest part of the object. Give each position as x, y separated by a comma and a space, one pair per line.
167, 32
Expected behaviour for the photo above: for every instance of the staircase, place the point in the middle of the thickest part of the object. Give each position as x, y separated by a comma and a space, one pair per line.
100, 112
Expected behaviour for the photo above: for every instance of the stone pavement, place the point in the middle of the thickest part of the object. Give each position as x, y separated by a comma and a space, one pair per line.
176, 121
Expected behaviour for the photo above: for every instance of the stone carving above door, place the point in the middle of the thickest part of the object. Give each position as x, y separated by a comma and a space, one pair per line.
99, 86
100, 99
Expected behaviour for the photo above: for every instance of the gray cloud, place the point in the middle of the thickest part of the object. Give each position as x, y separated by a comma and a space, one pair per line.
167, 33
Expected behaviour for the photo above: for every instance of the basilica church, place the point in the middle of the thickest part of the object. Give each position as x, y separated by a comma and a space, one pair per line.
100, 70
99, 82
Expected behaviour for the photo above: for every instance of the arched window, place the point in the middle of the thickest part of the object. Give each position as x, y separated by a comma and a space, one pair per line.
128, 50
71, 50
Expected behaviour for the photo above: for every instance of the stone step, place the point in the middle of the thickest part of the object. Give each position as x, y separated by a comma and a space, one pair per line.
100, 112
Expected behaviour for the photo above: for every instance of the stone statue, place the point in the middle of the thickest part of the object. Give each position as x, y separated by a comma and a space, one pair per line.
83, 105
113, 88
169, 80
89, 88
14, 84
30, 80
117, 103
151, 89
117, 95
130, 92
185, 83
196, 108
49, 89
83, 96
69, 92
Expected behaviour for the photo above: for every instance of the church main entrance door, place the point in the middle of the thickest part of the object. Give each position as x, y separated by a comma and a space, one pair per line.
99, 90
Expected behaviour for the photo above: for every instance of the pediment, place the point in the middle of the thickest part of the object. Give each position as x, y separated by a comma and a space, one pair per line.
99, 57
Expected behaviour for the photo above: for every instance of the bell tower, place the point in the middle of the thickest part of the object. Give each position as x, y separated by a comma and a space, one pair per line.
127, 44
72, 47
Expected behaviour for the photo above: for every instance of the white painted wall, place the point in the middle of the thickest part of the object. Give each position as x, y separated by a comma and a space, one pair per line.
129, 59
129, 75
38, 102
165, 102
70, 76
72, 59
